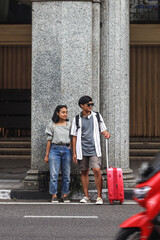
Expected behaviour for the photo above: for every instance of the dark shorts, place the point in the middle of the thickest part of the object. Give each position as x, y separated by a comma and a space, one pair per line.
89, 161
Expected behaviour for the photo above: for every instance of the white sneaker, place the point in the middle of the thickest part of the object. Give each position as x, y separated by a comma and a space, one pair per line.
99, 200
85, 200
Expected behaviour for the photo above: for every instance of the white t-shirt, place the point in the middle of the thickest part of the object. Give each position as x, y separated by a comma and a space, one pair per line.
96, 134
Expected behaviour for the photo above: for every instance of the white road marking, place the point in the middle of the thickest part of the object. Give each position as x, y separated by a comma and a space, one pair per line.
83, 217
5, 194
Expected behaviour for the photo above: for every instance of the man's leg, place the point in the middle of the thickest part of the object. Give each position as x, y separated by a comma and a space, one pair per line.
98, 180
85, 182
84, 168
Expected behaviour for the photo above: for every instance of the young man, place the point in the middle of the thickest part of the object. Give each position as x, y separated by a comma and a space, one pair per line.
86, 129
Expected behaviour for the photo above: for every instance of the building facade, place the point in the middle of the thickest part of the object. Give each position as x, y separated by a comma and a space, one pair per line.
89, 47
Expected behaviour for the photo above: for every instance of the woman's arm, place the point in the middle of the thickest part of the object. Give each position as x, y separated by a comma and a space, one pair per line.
47, 151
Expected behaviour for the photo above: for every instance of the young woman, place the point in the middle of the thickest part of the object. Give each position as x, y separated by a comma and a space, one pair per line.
58, 152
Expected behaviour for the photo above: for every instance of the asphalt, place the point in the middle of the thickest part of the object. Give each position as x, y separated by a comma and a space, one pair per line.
37, 221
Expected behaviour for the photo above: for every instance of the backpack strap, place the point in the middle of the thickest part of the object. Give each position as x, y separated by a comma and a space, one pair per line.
98, 119
77, 122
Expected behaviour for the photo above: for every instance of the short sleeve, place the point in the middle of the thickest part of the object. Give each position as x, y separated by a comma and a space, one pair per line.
102, 124
49, 131
73, 128
69, 127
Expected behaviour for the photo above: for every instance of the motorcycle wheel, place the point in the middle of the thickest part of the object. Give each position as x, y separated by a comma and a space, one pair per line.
128, 234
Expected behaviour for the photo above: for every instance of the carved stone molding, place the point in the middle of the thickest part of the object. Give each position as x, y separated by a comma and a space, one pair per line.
29, 2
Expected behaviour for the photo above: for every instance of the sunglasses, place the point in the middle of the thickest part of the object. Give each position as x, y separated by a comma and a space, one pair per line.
90, 104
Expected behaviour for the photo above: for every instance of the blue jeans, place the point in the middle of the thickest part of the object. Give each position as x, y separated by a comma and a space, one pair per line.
59, 156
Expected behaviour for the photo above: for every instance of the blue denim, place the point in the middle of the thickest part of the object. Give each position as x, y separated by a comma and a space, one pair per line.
59, 156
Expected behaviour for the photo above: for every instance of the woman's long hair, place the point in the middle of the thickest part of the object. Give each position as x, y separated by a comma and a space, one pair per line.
55, 117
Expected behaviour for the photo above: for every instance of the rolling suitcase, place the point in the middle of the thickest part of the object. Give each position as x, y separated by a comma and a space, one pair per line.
114, 181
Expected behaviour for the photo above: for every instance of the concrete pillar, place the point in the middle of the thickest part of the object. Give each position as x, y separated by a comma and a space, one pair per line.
65, 66
115, 82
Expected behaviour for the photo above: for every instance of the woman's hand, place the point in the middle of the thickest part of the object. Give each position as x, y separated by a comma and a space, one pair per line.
75, 158
46, 159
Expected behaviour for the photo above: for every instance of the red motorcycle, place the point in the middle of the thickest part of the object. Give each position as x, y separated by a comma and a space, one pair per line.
145, 225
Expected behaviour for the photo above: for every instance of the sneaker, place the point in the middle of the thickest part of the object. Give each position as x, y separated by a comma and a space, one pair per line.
85, 200
66, 199
55, 200
99, 200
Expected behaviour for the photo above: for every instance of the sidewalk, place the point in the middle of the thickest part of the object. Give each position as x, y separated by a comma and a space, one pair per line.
12, 174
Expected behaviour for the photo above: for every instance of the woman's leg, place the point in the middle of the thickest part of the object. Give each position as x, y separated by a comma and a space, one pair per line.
66, 169
54, 166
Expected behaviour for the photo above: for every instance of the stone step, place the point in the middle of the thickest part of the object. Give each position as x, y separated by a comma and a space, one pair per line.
15, 151
141, 158
144, 145
15, 139
144, 152
144, 139
14, 144
15, 157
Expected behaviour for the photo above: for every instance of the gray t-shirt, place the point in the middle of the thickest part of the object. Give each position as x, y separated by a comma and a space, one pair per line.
88, 145
58, 134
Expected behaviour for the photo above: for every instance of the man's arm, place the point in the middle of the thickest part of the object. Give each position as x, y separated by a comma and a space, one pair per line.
106, 134
74, 140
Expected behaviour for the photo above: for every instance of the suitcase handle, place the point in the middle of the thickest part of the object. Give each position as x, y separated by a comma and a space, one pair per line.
107, 153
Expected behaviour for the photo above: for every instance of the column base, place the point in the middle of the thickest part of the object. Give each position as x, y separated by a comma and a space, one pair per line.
36, 180
128, 181
31, 180
128, 178
92, 184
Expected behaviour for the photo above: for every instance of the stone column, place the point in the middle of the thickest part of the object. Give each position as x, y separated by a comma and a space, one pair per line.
65, 66
115, 82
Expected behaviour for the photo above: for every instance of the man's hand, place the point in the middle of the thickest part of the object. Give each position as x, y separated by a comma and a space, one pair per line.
75, 158
107, 135
46, 159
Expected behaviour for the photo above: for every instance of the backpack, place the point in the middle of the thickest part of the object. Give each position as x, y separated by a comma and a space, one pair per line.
77, 121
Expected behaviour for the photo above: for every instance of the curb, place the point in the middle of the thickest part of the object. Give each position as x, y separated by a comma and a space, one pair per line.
21, 194
29, 195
